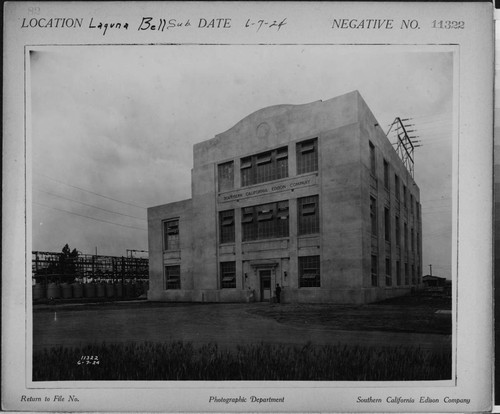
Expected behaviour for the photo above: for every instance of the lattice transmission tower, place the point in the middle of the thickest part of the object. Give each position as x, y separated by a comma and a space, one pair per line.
403, 142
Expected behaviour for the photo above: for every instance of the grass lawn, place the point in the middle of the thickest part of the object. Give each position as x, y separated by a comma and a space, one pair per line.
183, 361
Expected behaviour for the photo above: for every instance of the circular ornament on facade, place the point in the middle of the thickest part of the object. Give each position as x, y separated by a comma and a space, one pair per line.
263, 130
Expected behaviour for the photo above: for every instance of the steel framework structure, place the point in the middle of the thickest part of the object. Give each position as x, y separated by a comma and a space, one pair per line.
405, 144
55, 267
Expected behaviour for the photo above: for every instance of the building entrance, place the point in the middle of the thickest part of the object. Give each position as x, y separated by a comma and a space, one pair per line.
265, 285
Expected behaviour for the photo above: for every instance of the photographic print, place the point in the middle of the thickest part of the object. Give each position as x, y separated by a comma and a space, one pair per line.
224, 222
304, 241
288, 226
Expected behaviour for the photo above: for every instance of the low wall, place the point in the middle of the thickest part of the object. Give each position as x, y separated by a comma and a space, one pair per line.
202, 295
288, 295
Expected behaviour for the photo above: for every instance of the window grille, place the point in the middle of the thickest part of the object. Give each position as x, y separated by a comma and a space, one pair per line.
373, 215
309, 271
264, 167
374, 270
226, 176
171, 235
226, 228
308, 215
265, 221
388, 272
173, 277
228, 275
307, 156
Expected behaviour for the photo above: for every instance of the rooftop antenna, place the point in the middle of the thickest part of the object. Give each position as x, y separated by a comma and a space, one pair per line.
405, 143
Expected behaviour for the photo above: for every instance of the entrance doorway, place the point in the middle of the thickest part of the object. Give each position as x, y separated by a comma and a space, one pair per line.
265, 285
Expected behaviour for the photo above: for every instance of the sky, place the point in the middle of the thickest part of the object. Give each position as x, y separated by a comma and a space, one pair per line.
113, 127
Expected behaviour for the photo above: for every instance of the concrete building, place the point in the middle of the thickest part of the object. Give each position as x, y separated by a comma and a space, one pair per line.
311, 197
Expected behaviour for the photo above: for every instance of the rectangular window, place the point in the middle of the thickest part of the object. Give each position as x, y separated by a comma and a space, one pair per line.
226, 226
387, 222
411, 203
417, 206
396, 187
373, 166
308, 215
398, 273
246, 171
407, 274
309, 271
225, 175
386, 176
413, 276
418, 243
412, 235
406, 236
282, 219
171, 234
374, 270
282, 162
265, 170
173, 277
266, 221
228, 275
405, 197
307, 156
264, 167
373, 215
398, 232
388, 272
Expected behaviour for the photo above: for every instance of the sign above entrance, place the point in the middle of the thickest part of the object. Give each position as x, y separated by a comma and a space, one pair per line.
275, 187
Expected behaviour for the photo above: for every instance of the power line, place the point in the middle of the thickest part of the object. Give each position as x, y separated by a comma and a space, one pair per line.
91, 192
446, 199
431, 116
88, 205
91, 218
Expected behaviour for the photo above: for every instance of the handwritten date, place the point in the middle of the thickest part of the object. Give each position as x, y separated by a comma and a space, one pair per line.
88, 360
259, 24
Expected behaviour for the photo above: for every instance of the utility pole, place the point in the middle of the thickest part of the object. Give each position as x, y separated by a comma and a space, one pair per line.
430, 266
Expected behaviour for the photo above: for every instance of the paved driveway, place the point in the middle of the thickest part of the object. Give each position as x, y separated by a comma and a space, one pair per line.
227, 324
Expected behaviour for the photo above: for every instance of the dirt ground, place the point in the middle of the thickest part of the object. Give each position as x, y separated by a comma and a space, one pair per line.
415, 314
413, 323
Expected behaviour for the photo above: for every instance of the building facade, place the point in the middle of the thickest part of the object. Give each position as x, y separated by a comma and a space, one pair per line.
311, 197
